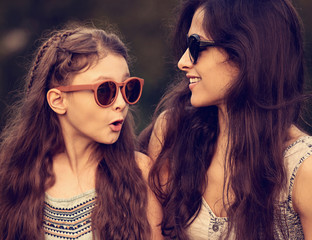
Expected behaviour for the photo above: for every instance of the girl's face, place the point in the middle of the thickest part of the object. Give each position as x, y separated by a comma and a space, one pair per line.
84, 118
212, 74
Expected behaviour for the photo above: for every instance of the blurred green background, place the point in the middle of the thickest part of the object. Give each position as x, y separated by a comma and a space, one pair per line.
143, 24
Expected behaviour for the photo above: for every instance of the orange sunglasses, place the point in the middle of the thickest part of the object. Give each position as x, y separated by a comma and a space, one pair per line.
106, 92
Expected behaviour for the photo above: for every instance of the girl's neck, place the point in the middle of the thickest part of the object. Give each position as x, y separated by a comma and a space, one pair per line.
78, 152
79, 156
74, 171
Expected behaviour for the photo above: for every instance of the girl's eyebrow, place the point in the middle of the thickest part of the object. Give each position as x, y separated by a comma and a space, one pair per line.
103, 77
126, 76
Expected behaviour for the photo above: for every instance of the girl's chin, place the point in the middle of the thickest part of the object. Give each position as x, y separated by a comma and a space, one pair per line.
111, 139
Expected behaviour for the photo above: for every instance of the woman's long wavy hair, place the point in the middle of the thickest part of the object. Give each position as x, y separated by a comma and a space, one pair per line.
33, 136
263, 38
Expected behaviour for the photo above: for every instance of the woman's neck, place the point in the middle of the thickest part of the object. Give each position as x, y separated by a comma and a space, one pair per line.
223, 122
222, 146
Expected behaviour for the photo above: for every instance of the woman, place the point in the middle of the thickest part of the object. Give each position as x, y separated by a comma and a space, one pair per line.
68, 166
230, 161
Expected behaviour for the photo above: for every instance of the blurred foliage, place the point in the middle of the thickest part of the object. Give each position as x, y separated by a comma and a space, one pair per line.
143, 25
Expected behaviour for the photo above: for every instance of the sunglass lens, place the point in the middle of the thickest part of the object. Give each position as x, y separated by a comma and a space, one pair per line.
193, 45
133, 90
106, 93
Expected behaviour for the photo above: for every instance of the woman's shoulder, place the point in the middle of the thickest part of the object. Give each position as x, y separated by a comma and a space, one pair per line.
157, 137
302, 195
298, 157
297, 153
161, 121
298, 142
144, 162
169, 118
154, 212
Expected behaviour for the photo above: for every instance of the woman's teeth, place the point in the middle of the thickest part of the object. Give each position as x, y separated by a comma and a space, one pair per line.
194, 80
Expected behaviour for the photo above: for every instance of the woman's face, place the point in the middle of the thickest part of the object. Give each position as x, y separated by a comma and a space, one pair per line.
85, 119
212, 74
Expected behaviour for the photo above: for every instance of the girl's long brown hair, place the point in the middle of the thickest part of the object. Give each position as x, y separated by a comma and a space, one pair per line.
32, 136
263, 38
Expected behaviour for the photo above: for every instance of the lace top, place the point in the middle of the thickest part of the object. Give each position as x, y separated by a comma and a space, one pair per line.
68, 218
208, 226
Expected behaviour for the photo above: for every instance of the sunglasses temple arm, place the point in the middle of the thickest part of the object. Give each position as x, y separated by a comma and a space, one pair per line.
74, 88
207, 44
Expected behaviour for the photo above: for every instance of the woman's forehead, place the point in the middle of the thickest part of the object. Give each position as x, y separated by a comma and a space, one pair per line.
197, 23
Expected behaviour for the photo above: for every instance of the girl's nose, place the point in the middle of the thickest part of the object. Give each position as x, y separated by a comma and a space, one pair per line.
120, 102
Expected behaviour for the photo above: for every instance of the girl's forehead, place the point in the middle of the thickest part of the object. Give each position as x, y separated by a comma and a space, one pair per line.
112, 66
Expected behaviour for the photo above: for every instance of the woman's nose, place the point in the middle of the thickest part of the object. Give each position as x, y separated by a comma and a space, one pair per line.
185, 61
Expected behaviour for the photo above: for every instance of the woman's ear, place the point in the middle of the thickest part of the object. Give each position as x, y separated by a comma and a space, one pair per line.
56, 101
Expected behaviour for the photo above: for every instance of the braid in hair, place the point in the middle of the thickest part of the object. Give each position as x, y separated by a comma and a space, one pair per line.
27, 145
56, 39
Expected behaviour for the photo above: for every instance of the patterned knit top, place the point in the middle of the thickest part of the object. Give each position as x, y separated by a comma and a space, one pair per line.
208, 226
69, 218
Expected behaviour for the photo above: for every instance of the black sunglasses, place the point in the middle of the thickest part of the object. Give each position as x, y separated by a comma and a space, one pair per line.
195, 46
105, 92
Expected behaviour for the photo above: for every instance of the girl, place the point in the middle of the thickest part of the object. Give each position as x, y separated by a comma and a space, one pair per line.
230, 161
68, 168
